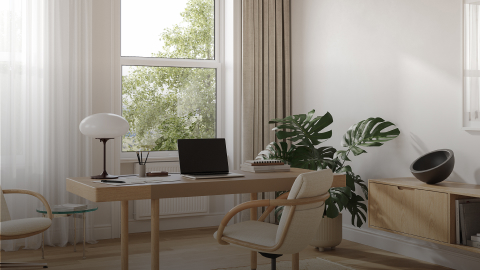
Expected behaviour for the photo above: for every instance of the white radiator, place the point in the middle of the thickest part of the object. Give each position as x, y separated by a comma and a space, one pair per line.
174, 207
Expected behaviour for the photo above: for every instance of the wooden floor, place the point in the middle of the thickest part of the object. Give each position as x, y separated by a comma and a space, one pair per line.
196, 249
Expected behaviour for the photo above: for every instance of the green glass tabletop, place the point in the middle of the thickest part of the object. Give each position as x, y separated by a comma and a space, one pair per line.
90, 208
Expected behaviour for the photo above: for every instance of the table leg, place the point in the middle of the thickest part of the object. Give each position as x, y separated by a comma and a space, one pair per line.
155, 245
253, 216
295, 261
74, 234
84, 235
124, 234
43, 243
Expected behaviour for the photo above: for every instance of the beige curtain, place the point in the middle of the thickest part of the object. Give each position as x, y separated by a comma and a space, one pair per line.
266, 74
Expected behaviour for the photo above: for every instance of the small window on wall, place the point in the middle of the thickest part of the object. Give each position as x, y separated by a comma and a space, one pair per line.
169, 65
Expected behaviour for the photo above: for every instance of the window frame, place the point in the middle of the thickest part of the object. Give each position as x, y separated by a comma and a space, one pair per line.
217, 63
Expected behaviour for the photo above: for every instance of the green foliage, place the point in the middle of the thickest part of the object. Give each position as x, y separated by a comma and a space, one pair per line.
163, 104
304, 133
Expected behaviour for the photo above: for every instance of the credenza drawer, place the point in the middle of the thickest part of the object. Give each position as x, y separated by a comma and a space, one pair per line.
408, 210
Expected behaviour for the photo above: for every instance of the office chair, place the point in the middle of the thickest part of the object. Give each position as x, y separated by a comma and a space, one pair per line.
21, 228
304, 206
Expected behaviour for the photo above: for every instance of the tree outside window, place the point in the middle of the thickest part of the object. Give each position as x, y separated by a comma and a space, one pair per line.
163, 104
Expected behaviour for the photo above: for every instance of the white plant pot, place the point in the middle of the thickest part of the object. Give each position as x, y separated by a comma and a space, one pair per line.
329, 233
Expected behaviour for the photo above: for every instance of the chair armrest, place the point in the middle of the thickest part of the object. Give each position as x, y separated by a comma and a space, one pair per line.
35, 194
233, 212
260, 203
271, 208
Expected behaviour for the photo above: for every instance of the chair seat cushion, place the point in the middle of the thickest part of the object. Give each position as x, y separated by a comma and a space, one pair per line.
255, 232
24, 226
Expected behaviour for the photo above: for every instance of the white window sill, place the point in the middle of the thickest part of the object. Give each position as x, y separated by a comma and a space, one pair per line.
150, 159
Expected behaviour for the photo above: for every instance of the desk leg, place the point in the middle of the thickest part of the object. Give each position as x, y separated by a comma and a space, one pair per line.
155, 245
253, 216
296, 261
124, 234
84, 235
43, 243
74, 234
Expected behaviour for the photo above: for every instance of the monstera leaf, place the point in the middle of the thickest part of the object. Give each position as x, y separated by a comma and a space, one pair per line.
303, 129
312, 158
367, 133
305, 132
278, 151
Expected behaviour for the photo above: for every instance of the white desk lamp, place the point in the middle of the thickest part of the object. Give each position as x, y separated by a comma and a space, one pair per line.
104, 126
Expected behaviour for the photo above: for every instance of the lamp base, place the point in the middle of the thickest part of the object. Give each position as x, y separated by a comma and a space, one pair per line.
104, 175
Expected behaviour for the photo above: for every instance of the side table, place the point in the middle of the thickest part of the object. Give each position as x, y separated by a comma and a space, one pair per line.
66, 213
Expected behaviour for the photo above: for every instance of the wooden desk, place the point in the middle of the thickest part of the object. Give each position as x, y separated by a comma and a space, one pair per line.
184, 187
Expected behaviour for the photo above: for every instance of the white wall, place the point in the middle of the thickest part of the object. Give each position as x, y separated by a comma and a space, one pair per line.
397, 59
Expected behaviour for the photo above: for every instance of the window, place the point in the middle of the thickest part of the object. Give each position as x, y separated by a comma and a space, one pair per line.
170, 66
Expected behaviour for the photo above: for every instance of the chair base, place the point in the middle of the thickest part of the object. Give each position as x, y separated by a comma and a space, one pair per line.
22, 265
272, 258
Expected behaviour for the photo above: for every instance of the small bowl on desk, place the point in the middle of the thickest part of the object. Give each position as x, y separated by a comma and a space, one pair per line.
433, 167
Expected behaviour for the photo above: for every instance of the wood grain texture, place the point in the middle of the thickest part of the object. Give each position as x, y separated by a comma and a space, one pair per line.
445, 186
185, 187
196, 249
296, 261
391, 208
155, 231
124, 234
433, 216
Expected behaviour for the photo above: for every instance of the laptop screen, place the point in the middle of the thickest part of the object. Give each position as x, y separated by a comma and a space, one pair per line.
202, 156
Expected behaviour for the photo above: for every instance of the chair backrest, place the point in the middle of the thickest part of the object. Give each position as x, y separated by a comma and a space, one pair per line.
4, 214
306, 218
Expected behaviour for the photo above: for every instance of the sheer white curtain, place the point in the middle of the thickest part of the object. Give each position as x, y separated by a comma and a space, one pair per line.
45, 91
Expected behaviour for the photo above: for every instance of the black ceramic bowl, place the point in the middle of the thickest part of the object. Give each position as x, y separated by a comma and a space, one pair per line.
433, 167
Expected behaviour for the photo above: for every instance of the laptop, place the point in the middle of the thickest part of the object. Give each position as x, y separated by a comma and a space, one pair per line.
204, 158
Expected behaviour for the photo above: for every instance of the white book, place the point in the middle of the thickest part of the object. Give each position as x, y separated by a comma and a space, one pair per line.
457, 219
475, 238
473, 244
272, 168
74, 206
469, 220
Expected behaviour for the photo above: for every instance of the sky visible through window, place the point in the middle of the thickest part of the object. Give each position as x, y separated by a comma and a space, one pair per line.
143, 21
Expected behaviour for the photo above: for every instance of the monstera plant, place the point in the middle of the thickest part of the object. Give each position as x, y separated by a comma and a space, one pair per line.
300, 137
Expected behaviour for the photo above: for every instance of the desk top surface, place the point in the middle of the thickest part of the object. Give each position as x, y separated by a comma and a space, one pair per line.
185, 187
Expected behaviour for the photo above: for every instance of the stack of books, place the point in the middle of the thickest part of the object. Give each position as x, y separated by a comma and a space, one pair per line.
475, 241
265, 166
467, 222
69, 207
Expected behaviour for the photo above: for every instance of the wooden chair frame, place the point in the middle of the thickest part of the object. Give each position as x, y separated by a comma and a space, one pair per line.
50, 216
281, 200
35, 194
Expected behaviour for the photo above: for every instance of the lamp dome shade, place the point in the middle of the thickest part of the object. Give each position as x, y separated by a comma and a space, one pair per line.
104, 125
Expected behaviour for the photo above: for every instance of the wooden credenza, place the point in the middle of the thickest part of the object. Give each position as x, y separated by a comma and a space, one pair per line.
412, 208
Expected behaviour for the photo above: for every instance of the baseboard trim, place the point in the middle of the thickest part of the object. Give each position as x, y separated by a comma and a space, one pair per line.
101, 232
413, 248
